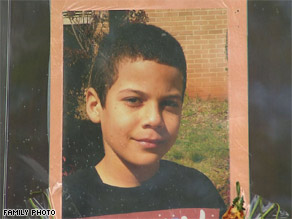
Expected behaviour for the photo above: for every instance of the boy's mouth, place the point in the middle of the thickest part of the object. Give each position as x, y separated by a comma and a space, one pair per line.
149, 143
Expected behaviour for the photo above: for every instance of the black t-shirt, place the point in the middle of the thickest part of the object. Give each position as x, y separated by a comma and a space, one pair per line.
174, 186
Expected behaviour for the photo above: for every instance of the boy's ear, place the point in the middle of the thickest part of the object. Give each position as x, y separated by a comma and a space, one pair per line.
93, 105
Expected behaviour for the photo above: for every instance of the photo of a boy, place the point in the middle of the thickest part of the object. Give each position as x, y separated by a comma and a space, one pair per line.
136, 94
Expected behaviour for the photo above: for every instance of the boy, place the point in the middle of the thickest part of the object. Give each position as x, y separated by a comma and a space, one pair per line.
136, 95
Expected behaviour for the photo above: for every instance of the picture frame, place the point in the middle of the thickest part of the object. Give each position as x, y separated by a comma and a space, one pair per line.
237, 83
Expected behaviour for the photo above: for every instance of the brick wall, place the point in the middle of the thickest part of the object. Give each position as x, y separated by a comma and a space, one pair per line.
203, 36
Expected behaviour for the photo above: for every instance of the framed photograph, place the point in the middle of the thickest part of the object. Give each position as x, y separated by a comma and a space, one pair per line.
213, 38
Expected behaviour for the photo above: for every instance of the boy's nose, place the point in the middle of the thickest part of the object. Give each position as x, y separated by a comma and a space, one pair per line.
152, 116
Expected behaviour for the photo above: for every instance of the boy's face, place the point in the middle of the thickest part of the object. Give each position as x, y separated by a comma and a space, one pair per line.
141, 117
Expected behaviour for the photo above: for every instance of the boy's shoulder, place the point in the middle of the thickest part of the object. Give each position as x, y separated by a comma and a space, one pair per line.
76, 188
81, 177
179, 172
194, 185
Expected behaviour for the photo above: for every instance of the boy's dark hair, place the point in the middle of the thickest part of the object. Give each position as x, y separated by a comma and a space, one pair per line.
134, 41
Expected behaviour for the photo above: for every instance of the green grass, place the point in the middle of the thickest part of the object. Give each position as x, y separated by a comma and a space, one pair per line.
202, 142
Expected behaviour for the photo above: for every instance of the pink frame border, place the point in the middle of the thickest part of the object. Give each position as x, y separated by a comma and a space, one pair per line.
237, 85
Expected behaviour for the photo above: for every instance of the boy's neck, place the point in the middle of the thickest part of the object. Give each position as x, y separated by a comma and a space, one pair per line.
125, 175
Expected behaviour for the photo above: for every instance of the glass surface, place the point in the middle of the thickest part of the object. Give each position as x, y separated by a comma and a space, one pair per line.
28, 148
270, 101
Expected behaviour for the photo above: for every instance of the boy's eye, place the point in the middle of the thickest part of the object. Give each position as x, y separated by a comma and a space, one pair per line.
133, 101
171, 103
173, 106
